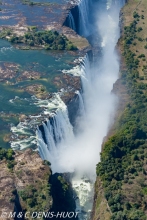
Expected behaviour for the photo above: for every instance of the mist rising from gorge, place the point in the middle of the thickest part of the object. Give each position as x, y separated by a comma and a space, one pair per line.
81, 153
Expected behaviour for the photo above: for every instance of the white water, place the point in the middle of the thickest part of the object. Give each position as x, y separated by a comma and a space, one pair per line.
81, 153
84, 24
58, 131
81, 112
4, 49
83, 196
83, 14
71, 21
27, 128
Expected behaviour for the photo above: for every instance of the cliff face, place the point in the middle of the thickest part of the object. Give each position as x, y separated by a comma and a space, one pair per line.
25, 187
7, 186
122, 170
29, 187
101, 209
27, 184
62, 192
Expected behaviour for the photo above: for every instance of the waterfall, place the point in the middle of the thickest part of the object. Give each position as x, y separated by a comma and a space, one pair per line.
49, 136
86, 76
81, 152
71, 21
79, 17
96, 102
58, 132
44, 151
84, 16
81, 104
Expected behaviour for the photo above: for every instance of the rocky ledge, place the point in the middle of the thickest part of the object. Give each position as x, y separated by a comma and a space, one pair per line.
28, 187
25, 187
44, 16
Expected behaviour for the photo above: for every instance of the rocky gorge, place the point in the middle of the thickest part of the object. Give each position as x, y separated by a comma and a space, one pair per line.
60, 99
27, 180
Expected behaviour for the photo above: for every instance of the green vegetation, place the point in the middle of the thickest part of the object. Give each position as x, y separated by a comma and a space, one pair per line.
139, 29
50, 40
5, 33
124, 156
36, 197
45, 162
6, 154
9, 156
65, 185
141, 56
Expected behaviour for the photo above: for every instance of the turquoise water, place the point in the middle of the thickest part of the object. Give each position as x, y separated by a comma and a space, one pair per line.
14, 100
47, 61
51, 1
14, 12
47, 64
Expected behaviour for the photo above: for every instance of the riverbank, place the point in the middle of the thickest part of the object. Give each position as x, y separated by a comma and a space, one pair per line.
36, 51
122, 169
24, 184
55, 137
35, 83
29, 189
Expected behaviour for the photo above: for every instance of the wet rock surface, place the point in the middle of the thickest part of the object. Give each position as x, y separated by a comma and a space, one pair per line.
8, 71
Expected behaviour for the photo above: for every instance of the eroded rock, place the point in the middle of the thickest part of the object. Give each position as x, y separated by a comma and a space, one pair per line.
28, 179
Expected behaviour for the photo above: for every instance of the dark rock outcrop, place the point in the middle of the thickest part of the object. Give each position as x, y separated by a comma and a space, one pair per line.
62, 193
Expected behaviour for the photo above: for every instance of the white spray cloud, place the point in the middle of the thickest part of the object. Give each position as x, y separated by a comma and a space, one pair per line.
82, 153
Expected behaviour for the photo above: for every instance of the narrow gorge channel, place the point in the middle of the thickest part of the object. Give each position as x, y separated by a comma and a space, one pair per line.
75, 148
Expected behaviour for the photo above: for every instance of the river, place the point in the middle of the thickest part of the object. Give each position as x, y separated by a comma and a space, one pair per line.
79, 152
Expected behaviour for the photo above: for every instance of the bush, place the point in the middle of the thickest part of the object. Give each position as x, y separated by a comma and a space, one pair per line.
31, 43
139, 29
135, 15
71, 47
141, 56
140, 39
11, 164
141, 77
6, 154
122, 158
45, 162
49, 39
13, 39
31, 202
